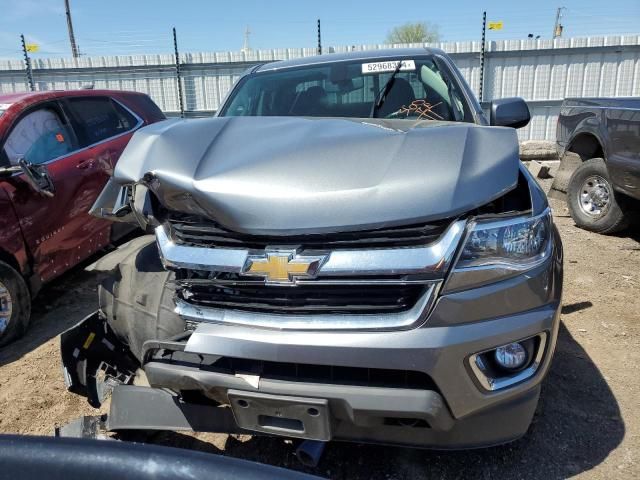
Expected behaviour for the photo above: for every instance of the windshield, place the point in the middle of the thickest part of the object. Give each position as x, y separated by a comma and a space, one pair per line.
422, 89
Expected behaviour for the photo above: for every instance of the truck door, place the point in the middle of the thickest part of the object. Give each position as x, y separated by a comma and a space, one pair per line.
623, 149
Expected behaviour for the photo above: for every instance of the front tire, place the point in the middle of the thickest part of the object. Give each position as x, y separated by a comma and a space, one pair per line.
136, 296
592, 202
15, 304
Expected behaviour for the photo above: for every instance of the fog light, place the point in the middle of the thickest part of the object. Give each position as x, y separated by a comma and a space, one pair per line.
510, 364
511, 357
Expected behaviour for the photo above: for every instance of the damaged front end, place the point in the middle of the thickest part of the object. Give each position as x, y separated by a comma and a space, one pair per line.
323, 294
94, 360
135, 305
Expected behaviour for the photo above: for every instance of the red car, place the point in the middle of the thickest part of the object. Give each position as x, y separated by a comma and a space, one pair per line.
57, 150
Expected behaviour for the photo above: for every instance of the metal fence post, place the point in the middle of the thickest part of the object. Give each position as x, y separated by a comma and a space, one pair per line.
175, 48
27, 62
484, 32
319, 39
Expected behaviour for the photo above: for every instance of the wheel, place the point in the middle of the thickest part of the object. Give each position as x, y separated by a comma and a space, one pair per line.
15, 304
592, 202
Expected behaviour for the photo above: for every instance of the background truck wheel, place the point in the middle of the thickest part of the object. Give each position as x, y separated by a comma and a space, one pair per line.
592, 202
15, 304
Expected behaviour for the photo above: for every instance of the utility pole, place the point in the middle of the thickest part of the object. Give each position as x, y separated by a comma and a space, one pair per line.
484, 36
178, 74
557, 28
72, 38
27, 62
245, 47
319, 39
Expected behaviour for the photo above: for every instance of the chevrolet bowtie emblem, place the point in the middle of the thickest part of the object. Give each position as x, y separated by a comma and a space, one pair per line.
282, 266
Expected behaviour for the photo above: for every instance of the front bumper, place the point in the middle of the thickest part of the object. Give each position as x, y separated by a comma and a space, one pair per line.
130, 410
452, 412
450, 409
349, 377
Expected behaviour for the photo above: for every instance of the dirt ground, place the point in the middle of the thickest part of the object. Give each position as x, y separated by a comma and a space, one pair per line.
588, 420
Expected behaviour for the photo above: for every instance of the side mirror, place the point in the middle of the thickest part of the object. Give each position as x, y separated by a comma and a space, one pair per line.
121, 211
509, 112
6, 172
37, 176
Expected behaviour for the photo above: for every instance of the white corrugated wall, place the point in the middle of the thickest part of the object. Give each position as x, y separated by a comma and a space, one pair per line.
543, 72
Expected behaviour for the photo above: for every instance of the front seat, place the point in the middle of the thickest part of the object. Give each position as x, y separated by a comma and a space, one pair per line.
309, 102
400, 95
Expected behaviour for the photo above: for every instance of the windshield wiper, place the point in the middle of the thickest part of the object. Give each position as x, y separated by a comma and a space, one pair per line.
382, 94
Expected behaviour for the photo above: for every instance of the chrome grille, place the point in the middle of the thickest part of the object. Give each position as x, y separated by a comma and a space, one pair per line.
308, 298
387, 279
187, 229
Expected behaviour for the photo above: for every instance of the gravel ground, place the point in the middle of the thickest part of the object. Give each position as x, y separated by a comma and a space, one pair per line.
588, 420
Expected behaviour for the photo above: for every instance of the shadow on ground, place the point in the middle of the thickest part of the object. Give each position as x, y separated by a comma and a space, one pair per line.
634, 232
58, 306
577, 425
61, 304
576, 307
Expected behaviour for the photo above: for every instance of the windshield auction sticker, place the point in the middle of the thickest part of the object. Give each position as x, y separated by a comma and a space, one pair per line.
389, 66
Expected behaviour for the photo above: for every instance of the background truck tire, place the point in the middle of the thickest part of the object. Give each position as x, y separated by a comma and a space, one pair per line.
136, 294
590, 180
14, 325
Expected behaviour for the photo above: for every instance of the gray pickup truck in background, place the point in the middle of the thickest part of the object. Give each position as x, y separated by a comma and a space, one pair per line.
598, 141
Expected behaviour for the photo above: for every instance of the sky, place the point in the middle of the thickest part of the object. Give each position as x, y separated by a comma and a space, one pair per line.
144, 26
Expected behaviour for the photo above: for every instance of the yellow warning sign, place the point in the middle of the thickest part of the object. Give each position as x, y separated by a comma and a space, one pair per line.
32, 47
496, 25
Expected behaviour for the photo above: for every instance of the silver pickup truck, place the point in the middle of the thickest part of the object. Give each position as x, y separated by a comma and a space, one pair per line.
349, 251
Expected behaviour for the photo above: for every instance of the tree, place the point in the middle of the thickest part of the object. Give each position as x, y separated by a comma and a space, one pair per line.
414, 32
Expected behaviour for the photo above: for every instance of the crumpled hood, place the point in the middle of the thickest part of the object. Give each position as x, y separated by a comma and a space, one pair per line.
271, 175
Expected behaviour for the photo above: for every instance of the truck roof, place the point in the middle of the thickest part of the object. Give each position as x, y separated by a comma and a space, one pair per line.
368, 55
603, 102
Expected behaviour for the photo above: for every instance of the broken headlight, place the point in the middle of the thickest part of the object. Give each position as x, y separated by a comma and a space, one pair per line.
497, 249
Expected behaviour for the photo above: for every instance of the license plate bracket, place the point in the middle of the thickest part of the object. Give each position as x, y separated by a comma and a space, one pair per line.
297, 417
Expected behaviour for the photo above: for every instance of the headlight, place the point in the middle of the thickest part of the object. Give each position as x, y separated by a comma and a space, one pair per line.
497, 249
519, 243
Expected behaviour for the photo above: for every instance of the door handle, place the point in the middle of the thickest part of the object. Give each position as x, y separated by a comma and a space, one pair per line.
112, 157
84, 164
